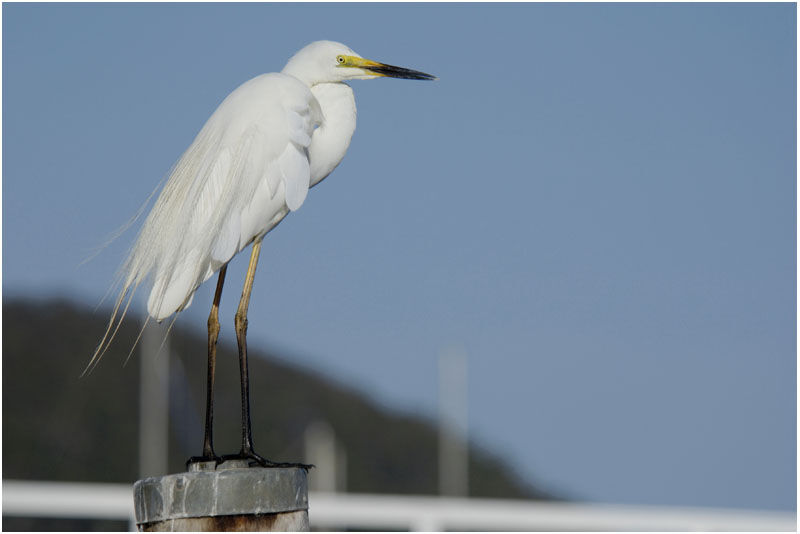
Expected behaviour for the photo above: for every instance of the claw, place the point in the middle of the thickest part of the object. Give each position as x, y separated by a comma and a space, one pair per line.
203, 459
256, 459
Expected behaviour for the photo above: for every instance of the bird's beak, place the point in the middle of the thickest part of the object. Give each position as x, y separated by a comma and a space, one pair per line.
382, 69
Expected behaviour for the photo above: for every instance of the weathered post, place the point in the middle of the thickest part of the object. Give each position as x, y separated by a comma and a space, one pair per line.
228, 497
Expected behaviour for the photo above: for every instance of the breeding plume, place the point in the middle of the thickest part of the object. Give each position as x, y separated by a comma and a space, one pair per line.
253, 162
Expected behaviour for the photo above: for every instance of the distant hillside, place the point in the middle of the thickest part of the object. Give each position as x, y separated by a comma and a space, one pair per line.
57, 426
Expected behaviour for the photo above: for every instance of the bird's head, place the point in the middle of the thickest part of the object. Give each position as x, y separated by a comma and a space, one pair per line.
329, 61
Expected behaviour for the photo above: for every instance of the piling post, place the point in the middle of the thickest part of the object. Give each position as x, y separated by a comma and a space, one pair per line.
228, 497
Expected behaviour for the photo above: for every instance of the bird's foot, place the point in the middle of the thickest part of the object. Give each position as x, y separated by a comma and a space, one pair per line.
255, 459
206, 458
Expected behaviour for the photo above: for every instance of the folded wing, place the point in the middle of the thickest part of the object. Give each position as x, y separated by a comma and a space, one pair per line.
246, 169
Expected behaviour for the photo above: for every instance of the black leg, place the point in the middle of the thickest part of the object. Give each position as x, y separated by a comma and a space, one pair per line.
247, 452
241, 337
213, 335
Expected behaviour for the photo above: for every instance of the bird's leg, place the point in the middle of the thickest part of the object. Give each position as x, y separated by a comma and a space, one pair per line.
240, 322
213, 335
247, 451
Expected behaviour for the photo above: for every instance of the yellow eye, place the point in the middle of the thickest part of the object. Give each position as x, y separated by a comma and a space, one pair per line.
340, 60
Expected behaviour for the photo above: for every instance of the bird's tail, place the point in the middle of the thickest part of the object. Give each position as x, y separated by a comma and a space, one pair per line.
128, 288
126, 295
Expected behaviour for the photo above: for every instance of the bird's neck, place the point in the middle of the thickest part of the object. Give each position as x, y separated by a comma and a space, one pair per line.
331, 139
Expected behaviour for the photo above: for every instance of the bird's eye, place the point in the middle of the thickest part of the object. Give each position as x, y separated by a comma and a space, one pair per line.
340, 59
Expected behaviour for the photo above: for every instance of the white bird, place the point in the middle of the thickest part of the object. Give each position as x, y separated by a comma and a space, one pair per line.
253, 162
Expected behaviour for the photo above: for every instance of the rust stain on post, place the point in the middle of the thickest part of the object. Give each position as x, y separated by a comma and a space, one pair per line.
285, 522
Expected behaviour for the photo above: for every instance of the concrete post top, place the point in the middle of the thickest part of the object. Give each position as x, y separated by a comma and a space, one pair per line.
231, 488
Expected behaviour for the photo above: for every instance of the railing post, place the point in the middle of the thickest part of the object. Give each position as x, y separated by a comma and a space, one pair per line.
229, 497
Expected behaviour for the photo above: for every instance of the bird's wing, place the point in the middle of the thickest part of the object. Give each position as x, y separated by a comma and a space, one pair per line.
245, 168
271, 160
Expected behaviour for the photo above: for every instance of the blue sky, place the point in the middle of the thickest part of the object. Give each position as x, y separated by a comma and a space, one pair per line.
596, 202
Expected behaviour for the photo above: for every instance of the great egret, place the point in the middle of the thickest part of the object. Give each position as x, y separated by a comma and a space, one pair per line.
253, 162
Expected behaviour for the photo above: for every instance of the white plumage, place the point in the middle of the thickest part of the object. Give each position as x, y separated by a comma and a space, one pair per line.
247, 168
253, 162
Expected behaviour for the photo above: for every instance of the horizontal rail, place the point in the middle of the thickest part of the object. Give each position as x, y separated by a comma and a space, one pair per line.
438, 513
29, 498
348, 510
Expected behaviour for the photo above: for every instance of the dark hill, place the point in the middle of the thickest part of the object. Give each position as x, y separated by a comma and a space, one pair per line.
57, 426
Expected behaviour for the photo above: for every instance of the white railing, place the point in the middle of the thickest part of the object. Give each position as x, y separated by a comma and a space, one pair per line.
359, 511
72, 500
342, 510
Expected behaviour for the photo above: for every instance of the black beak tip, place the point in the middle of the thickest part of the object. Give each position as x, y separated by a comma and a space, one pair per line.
401, 72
